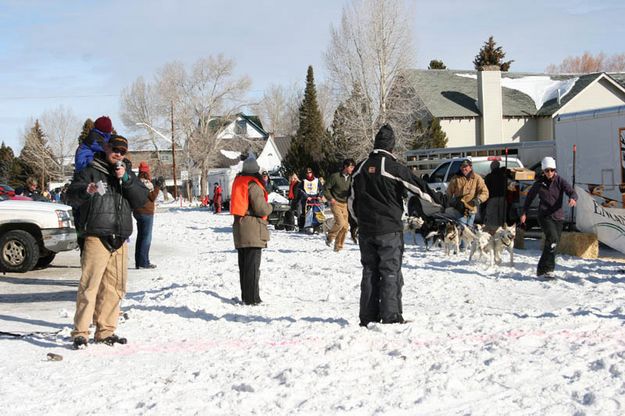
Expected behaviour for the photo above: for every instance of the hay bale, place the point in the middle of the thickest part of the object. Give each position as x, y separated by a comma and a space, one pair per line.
584, 245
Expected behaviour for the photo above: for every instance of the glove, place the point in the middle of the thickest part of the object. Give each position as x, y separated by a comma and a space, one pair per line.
475, 202
456, 203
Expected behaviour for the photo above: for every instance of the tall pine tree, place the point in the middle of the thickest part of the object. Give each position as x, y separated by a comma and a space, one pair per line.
37, 156
490, 54
307, 147
347, 127
7, 163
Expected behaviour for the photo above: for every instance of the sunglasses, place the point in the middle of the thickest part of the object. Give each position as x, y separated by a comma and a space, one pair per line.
549, 170
119, 151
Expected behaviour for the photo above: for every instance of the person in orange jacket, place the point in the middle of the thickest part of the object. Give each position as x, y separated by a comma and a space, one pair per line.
217, 195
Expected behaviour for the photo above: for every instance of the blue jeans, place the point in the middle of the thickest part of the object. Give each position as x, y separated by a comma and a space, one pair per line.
144, 239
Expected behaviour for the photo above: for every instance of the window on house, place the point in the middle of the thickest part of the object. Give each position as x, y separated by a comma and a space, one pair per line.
165, 158
240, 127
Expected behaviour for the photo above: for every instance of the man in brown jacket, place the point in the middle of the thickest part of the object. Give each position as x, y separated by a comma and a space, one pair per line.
248, 204
466, 192
145, 218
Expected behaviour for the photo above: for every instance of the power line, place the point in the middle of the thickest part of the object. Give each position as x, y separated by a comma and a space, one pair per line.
58, 96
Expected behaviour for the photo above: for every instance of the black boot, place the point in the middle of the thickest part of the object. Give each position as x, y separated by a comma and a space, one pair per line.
113, 339
80, 343
395, 318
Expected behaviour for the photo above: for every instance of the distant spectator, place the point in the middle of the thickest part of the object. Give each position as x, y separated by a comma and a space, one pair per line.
217, 196
145, 218
497, 183
32, 192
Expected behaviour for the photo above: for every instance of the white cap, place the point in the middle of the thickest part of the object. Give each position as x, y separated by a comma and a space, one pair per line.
548, 163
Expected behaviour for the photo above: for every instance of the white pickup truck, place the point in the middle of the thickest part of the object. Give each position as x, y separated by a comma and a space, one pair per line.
31, 233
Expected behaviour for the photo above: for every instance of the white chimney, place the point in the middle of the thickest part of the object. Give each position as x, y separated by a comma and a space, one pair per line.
490, 104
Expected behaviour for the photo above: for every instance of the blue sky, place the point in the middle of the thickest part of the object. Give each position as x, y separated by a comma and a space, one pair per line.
81, 54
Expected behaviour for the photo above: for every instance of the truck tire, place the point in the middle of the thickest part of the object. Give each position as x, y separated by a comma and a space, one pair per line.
45, 260
19, 251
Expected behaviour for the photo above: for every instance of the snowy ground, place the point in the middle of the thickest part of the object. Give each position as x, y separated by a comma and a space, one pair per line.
480, 341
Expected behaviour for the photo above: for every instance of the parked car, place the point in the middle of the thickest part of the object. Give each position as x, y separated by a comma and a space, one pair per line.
32, 233
280, 185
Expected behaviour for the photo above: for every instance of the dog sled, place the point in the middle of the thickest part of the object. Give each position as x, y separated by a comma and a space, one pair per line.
313, 216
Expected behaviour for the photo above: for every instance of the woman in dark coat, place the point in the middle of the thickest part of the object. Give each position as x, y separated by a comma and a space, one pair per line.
550, 188
250, 208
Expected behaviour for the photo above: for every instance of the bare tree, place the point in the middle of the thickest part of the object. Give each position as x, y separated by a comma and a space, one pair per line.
188, 103
588, 63
369, 50
61, 127
273, 110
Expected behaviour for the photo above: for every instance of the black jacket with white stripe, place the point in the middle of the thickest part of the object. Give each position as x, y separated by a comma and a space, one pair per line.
379, 185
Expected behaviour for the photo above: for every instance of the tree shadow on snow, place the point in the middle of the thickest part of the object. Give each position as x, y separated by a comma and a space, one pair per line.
36, 322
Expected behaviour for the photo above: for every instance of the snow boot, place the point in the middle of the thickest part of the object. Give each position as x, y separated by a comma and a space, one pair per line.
80, 343
113, 339
395, 318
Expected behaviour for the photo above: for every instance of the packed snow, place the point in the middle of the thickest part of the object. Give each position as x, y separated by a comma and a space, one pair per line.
480, 340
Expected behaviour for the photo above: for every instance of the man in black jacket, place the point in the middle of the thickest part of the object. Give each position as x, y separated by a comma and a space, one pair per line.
106, 191
379, 185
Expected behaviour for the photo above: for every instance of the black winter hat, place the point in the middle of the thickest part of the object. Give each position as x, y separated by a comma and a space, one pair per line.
385, 139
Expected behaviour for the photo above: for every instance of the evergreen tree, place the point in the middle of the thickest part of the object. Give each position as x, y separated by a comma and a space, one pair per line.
37, 156
7, 161
347, 127
308, 145
436, 64
432, 137
490, 54
86, 128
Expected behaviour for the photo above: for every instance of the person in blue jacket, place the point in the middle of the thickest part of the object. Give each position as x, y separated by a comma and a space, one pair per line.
93, 143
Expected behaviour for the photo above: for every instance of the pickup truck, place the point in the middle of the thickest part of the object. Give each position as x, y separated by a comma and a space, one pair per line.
32, 233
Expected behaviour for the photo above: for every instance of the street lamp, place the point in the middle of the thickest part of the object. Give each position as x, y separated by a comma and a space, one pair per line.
173, 152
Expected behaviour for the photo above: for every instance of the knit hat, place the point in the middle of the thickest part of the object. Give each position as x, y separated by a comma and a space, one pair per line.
548, 163
118, 142
103, 124
250, 166
385, 139
144, 167
494, 165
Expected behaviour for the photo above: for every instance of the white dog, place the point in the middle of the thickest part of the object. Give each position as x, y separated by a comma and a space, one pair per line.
483, 243
412, 224
451, 239
503, 239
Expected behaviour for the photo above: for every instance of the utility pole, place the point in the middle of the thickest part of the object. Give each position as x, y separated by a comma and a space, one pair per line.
173, 151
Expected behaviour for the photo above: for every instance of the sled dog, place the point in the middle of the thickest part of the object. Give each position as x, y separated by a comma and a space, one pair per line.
503, 239
451, 239
412, 225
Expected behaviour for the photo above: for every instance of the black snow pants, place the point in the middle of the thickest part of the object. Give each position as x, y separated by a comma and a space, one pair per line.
249, 274
382, 281
552, 230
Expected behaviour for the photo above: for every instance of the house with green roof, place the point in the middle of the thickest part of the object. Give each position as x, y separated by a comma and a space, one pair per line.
492, 107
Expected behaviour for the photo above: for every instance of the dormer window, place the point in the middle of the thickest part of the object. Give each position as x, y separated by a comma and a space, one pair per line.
240, 127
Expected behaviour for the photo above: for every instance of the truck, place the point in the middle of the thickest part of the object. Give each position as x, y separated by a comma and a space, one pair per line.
32, 233
593, 142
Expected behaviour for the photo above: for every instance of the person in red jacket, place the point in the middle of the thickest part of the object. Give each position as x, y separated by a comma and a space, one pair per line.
217, 198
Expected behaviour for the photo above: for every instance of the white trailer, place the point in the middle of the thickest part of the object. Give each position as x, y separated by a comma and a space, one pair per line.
599, 138
224, 177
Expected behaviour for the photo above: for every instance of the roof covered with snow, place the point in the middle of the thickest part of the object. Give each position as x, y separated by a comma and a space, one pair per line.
452, 93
